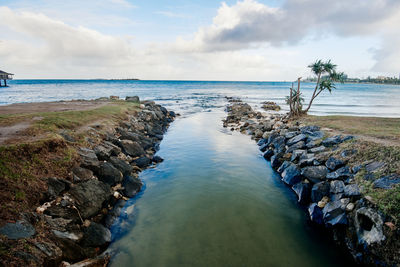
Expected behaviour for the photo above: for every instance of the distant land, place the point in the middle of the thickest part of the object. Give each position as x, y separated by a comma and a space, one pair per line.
377, 80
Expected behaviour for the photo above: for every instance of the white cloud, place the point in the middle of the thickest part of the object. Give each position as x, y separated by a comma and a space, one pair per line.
172, 14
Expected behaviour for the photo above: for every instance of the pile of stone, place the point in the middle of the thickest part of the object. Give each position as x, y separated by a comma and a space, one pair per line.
79, 212
269, 105
323, 183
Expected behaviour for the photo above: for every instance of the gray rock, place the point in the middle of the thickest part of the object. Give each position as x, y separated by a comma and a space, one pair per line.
348, 152
121, 165
369, 226
319, 190
387, 182
142, 162
66, 235
374, 166
311, 144
268, 154
352, 190
302, 190
109, 174
297, 146
89, 159
284, 165
296, 139
290, 135
306, 162
333, 163
96, 235
342, 173
313, 136
157, 159
55, 186
336, 187
262, 141
334, 213
332, 141
80, 174
291, 175
297, 154
310, 128
314, 173
131, 186
106, 150
18, 230
316, 214
263, 147
276, 161
89, 196
317, 149
132, 148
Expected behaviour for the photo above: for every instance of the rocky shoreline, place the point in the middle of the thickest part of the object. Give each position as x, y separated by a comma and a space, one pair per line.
72, 224
316, 167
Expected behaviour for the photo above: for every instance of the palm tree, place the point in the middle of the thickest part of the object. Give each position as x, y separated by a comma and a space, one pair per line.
326, 78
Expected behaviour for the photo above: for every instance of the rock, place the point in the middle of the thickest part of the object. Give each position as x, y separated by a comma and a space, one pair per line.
121, 165
352, 190
342, 173
297, 146
52, 252
89, 159
348, 152
290, 135
350, 207
267, 127
81, 174
334, 213
265, 135
307, 161
314, 173
132, 148
333, 163
332, 141
262, 142
96, 235
59, 211
369, 226
297, 154
132, 99
263, 147
296, 139
276, 161
131, 186
336, 187
268, 154
258, 133
317, 149
66, 235
114, 213
319, 190
157, 159
109, 174
142, 162
55, 186
347, 138
89, 196
316, 214
106, 150
374, 166
387, 182
20, 229
311, 144
313, 136
322, 203
310, 128
291, 175
302, 190
284, 165
279, 144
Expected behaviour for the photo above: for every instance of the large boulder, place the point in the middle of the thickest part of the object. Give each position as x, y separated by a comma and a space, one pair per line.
276, 161
90, 196
291, 175
268, 154
332, 141
109, 174
314, 173
341, 173
105, 150
387, 182
319, 190
131, 186
81, 174
336, 187
284, 165
96, 235
142, 162
334, 213
89, 159
296, 139
369, 226
313, 136
333, 163
309, 128
55, 186
352, 190
317, 149
132, 99
297, 146
20, 229
302, 190
315, 213
121, 165
297, 154
131, 148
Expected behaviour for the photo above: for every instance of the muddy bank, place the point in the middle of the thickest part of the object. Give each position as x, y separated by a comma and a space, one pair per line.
329, 183
71, 222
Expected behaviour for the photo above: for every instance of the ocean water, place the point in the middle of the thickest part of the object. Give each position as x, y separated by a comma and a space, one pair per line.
189, 97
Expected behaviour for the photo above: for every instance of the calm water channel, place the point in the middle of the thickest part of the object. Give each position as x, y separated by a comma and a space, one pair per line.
215, 201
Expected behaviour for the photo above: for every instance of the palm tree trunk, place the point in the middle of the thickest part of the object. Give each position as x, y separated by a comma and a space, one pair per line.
313, 95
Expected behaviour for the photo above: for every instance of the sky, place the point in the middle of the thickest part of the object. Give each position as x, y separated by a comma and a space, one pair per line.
246, 40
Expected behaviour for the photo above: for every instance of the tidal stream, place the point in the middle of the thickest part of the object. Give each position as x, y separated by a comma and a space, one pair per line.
215, 201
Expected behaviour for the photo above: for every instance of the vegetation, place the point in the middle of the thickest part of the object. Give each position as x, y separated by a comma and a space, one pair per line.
326, 75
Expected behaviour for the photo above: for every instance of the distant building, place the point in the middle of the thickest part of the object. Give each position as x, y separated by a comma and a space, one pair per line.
382, 78
5, 76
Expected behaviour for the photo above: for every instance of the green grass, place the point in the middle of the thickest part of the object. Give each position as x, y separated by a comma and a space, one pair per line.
387, 128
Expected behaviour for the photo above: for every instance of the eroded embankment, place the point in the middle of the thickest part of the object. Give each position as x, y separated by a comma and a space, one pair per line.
349, 186
68, 189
